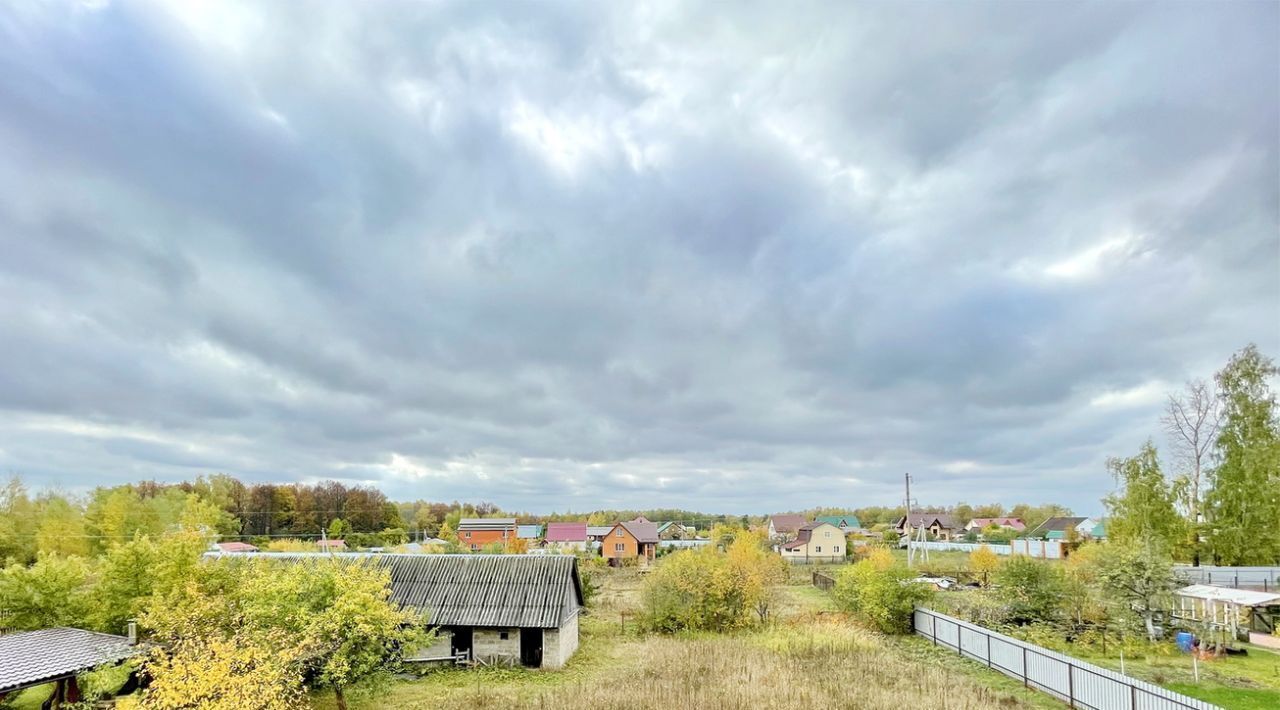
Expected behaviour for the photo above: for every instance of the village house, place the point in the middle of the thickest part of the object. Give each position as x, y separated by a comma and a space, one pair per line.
331, 545
941, 525
632, 540
675, 531
980, 524
846, 523
566, 537
785, 527
532, 533
1067, 528
597, 533
816, 542
475, 533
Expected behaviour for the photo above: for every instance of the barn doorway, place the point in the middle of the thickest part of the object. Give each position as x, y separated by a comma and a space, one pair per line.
531, 648
461, 641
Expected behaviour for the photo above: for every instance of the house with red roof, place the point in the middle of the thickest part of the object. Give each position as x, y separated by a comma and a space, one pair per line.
568, 537
980, 524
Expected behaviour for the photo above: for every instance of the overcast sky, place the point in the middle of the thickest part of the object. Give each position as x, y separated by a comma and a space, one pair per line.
731, 257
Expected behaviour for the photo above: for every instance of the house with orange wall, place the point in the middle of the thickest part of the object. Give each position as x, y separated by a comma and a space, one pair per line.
475, 533
632, 540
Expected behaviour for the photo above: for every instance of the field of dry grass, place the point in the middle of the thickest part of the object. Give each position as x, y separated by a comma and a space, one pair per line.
810, 656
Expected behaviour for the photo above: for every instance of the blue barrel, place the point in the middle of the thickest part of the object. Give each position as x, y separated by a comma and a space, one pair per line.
1184, 640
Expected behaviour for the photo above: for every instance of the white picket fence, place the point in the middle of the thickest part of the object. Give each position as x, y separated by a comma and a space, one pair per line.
1080, 684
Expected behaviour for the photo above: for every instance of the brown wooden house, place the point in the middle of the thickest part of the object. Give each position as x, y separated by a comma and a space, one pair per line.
632, 540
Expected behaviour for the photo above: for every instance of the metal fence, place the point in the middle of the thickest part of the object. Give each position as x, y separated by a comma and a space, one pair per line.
1080, 684
1265, 579
1047, 549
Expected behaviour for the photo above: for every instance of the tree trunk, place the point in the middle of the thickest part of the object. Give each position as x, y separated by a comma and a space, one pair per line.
1146, 617
339, 697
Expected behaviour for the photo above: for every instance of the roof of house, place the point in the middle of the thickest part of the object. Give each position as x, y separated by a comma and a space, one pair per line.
566, 532
599, 530
945, 520
331, 543
474, 524
1241, 597
474, 590
642, 530
529, 532
1059, 524
787, 522
664, 526
840, 521
236, 547
1015, 523
33, 657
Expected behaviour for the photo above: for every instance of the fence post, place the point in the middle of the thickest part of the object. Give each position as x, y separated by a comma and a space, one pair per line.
988, 636
1133, 696
1071, 685
1026, 675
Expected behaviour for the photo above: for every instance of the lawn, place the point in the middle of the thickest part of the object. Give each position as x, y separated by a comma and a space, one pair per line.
811, 655
1245, 682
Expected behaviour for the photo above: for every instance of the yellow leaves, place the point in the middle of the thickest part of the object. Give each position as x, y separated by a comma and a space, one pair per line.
235, 673
879, 559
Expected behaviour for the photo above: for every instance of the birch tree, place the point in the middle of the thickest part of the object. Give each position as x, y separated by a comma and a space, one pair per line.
1191, 420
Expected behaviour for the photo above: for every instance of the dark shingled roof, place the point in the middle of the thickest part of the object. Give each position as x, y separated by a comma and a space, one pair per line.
539, 591
34, 657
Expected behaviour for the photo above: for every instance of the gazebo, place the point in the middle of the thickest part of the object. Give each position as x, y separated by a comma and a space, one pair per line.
58, 655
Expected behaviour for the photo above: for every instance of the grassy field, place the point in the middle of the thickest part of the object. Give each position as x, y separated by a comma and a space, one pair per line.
810, 656
1245, 682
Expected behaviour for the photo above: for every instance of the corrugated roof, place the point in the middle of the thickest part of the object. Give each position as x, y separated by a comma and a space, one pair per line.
486, 524
567, 532
33, 657
599, 530
474, 590
840, 521
1242, 597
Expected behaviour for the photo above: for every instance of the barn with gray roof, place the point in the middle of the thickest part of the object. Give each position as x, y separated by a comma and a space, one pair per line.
491, 609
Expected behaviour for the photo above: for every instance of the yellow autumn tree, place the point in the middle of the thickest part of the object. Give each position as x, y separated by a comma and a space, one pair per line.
756, 571
982, 562
215, 673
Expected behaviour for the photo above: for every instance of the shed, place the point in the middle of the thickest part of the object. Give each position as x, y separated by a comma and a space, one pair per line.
506, 609
1226, 609
58, 655
236, 547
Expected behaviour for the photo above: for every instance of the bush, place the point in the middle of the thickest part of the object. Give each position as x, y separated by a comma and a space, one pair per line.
881, 592
693, 590
1032, 590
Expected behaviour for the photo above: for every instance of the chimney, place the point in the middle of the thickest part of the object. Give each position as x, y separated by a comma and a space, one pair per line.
133, 633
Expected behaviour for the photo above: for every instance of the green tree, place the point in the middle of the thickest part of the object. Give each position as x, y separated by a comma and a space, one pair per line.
335, 617
1243, 501
1031, 589
124, 584
1143, 506
17, 523
881, 592
61, 529
51, 592
1138, 578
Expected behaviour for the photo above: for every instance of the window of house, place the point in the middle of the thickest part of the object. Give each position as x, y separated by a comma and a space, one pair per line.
836, 548
619, 532
827, 533
467, 534
618, 547
818, 548
503, 635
